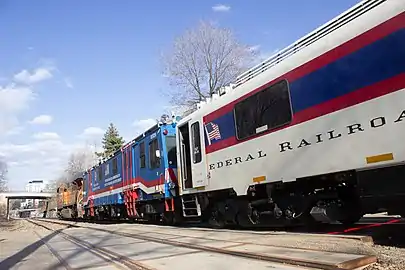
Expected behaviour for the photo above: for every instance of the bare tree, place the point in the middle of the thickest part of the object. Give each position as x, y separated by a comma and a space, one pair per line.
3, 175
202, 60
78, 162
53, 184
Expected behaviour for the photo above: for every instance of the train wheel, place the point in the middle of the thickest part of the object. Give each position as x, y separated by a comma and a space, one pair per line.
351, 212
215, 219
350, 220
168, 218
352, 217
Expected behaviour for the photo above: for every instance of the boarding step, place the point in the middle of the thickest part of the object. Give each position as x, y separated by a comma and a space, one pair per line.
191, 206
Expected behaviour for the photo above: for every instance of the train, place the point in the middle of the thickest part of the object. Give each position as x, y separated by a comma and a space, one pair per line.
68, 199
312, 135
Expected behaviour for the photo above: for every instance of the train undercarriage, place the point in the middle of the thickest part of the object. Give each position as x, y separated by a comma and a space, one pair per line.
342, 197
68, 212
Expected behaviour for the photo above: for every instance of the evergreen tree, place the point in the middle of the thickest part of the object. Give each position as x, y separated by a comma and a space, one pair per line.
111, 141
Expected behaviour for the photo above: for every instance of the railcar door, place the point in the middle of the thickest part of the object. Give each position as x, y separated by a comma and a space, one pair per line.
198, 154
192, 156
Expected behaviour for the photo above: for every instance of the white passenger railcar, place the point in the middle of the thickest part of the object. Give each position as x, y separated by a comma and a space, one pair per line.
315, 133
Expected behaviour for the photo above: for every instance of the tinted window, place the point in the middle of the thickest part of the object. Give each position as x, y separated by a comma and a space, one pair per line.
106, 169
142, 155
195, 133
171, 150
265, 110
114, 166
124, 156
100, 173
154, 161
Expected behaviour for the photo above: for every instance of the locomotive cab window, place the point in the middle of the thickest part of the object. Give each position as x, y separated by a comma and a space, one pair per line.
154, 160
124, 157
142, 155
107, 169
100, 173
171, 150
263, 111
195, 135
114, 166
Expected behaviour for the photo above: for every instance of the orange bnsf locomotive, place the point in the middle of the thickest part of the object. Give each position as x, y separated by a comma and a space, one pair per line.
69, 199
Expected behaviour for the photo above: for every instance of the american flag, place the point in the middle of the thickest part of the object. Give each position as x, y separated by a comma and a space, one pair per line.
213, 131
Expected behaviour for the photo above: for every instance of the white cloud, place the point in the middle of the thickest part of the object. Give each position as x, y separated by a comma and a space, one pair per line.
46, 155
38, 75
143, 125
21, 152
14, 98
39, 160
46, 136
221, 8
13, 164
13, 101
43, 119
15, 131
92, 132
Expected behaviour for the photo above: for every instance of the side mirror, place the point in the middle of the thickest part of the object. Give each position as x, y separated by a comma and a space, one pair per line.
157, 153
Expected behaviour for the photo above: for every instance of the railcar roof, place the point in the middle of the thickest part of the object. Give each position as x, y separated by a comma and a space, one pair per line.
280, 56
137, 139
323, 30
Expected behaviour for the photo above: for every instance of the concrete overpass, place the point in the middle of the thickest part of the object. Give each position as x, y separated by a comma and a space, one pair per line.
26, 195
23, 195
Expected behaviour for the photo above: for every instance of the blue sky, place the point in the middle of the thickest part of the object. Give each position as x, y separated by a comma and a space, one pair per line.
68, 68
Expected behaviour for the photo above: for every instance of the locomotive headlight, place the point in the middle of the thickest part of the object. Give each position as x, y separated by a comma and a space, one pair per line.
165, 132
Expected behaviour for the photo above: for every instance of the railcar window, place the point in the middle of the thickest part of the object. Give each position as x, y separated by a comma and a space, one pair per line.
142, 155
124, 156
195, 133
154, 161
265, 110
114, 166
107, 169
171, 150
100, 173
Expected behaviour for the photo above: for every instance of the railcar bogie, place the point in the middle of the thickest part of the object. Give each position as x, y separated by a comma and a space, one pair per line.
318, 199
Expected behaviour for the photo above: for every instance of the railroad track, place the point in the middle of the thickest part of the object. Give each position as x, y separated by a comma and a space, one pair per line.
364, 224
168, 239
116, 260
324, 230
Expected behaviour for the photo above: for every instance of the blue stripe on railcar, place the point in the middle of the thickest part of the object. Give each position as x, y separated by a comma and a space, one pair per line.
110, 199
374, 63
107, 177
